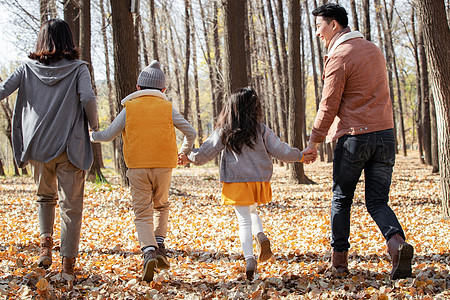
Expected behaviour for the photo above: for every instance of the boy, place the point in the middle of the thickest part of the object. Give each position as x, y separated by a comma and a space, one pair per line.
147, 123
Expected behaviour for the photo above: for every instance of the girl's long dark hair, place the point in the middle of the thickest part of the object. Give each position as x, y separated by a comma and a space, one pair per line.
240, 119
54, 42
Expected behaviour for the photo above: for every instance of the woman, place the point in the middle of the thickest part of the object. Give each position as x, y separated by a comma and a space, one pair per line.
54, 105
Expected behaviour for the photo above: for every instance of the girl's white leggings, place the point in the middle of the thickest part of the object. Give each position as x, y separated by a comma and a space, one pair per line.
249, 222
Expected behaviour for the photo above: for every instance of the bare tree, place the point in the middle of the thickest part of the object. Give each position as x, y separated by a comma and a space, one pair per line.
153, 30
72, 17
366, 20
296, 173
278, 77
112, 113
425, 97
236, 75
198, 120
187, 26
125, 63
436, 34
354, 14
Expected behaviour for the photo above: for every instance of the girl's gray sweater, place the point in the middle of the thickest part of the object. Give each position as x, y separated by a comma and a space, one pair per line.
54, 104
253, 164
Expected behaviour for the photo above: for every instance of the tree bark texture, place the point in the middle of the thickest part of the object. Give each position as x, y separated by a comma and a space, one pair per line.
125, 63
436, 35
296, 173
187, 60
236, 66
425, 97
72, 17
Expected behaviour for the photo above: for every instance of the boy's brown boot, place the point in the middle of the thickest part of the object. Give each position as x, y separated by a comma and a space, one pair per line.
339, 261
45, 254
401, 254
68, 268
149, 265
161, 256
263, 245
250, 268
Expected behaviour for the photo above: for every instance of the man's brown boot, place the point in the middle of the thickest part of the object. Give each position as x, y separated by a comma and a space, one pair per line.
339, 261
45, 254
401, 254
68, 266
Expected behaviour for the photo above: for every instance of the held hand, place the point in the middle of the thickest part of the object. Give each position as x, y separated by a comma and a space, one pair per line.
183, 159
309, 154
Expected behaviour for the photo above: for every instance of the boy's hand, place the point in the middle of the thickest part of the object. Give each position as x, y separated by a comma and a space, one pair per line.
183, 159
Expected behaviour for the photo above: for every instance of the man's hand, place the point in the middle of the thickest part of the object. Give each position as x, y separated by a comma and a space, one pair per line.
310, 153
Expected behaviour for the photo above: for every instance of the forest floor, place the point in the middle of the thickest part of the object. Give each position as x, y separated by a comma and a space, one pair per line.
203, 243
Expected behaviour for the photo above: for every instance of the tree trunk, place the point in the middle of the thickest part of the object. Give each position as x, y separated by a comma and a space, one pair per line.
272, 108
187, 26
220, 84
153, 30
283, 57
313, 63
95, 173
271, 103
434, 139
366, 20
2, 169
137, 24
296, 173
385, 23
424, 87
8, 116
125, 62
436, 35
236, 66
72, 17
209, 62
47, 10
418, 111
112, 114
198, 119
278, 78
354, 15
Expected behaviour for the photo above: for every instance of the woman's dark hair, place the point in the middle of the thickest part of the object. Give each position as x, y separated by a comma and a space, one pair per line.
240, 119
332, 11
54, 42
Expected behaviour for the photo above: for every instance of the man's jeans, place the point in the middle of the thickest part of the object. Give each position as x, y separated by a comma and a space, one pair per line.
375, 154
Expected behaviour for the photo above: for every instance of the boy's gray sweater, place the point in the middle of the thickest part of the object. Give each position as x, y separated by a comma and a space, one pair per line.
253, 164
54, 104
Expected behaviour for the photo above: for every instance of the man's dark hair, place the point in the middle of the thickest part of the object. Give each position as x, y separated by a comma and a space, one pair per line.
149, 88
332, 11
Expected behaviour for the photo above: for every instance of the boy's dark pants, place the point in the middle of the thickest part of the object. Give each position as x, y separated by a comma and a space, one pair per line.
375, 154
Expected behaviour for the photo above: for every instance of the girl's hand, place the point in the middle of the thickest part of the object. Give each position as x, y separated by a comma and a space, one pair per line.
308, 158
183, 159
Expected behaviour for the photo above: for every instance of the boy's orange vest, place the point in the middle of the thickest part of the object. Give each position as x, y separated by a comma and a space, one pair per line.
149, 139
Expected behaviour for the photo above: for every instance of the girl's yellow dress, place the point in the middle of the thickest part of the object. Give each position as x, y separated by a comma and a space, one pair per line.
246, 193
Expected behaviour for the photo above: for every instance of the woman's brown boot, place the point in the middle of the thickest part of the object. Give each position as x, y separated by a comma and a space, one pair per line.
45, 254
68, 268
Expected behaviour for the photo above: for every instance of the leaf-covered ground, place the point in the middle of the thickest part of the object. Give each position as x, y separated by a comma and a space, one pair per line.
204, 246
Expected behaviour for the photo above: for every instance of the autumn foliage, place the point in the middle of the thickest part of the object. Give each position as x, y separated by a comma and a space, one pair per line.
204, 247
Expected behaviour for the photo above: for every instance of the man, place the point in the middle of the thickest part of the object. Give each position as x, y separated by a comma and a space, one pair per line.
356, 109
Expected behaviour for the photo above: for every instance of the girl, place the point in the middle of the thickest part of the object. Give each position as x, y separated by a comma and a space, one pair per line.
246, 167
54, 105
